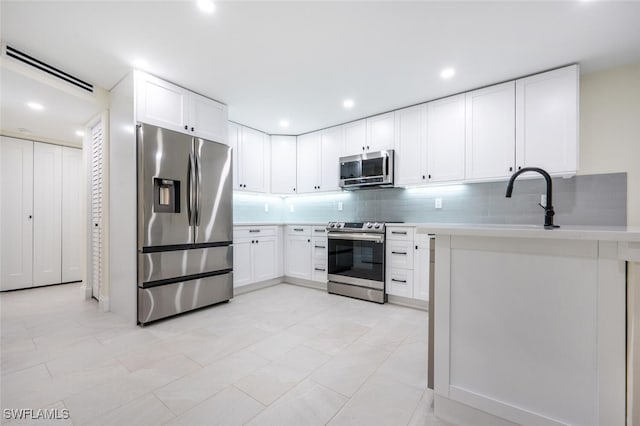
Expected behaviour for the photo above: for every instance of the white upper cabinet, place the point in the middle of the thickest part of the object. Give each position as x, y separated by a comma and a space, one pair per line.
331, 151
16, 213
355, 137
207, 118
380, 132
253, 160
283, 164
446, 139
309, 149
233, 138
160, 103
490, 139
167, 105
547, 121
411, 146
371, 134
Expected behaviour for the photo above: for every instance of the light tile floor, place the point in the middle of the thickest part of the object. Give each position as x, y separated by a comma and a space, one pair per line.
284, 355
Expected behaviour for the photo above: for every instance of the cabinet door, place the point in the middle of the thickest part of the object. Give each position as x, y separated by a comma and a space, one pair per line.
252, 159
47, 214
242, 262
297, 257
411, 146
547, 121
309, 162
445, 139
490, 141
16, 212
207, 118
72, 218
421, 267
355, 137
233, 138
160, 103
264, 258
399, 282
331, 151
380, 132
283, 164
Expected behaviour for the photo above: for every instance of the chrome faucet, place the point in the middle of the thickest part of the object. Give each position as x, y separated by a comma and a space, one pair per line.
548, 209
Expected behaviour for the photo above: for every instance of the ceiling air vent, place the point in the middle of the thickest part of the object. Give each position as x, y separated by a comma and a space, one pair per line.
42, 66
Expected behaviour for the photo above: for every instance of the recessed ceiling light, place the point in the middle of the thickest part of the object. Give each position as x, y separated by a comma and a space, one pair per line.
284, 123
206, 6
35, 105
79, 133
140, 63
447, 73
348, 103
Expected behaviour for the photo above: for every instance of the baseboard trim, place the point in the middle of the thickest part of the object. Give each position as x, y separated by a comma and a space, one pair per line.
306, 283
421, 305
87, 291
237, 291
104, 304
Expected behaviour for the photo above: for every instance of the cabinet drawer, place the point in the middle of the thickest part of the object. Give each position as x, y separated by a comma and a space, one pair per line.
253, 231
318, 231
399, 233
319, 249
319, 271
399, 282
399, 254
304, 230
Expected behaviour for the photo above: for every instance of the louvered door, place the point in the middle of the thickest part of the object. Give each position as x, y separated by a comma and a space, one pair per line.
97, 197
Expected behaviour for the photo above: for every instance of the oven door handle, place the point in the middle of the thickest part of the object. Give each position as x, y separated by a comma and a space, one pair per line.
355, 236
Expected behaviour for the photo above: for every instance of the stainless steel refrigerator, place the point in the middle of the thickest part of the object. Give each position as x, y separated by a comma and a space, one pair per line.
185, 223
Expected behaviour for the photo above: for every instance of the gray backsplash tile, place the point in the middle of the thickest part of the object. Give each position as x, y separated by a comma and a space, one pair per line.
591, 200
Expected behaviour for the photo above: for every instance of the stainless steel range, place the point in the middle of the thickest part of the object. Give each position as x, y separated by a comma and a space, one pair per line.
356, 260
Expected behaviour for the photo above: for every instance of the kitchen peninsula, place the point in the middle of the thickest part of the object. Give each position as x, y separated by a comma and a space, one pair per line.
530, 323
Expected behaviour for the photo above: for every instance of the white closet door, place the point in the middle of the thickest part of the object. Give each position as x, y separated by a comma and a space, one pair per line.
47, 212
71, 214
97, 196
16, 210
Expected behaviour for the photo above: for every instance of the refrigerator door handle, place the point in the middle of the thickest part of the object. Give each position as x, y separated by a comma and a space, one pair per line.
198, 181
191, 186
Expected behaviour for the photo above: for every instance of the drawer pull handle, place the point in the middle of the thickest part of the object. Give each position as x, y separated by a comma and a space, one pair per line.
399, 252
298, 229
399, 281
320, 246
399, 232
319, 230
254, 230
320, 269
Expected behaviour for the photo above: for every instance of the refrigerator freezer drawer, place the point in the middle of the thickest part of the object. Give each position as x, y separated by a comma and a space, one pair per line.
171, 264
163, 301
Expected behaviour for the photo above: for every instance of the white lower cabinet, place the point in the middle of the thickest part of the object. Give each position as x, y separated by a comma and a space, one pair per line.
297, 248
306, 252
255, 254
36, 195
407, 263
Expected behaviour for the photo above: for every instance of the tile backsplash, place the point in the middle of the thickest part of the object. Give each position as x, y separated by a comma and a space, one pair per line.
589, 200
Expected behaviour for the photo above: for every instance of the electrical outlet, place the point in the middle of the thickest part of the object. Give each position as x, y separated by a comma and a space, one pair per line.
438, 203
291, 208
266, 207
339, 206
543, 200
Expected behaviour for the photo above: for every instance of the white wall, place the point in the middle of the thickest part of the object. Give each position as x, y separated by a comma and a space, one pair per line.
610, 128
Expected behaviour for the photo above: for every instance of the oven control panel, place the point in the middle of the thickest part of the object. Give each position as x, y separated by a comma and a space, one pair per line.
356, 226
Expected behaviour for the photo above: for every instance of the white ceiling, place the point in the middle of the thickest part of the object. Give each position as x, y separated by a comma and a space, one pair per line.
299, 60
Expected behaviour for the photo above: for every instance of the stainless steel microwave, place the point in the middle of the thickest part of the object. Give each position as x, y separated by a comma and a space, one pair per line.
369, 170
